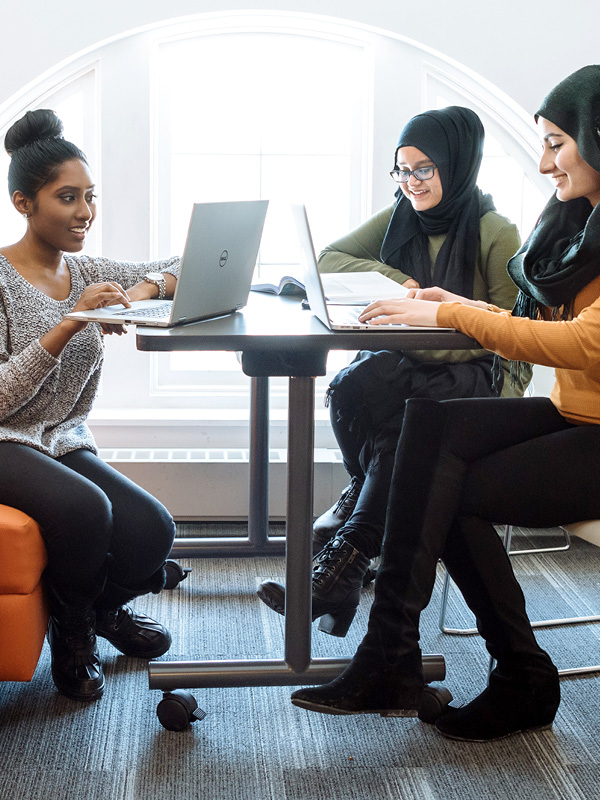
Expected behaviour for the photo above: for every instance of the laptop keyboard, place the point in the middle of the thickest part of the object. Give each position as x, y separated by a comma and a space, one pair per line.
153, 312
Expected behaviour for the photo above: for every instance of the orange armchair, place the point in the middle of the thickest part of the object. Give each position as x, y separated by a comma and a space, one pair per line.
23, 608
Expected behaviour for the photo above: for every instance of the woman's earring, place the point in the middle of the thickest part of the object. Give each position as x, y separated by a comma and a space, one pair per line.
26, 215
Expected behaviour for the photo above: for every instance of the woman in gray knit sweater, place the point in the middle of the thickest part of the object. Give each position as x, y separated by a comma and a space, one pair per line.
107, 539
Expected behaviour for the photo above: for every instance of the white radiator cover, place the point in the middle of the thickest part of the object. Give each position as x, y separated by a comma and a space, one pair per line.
212, 484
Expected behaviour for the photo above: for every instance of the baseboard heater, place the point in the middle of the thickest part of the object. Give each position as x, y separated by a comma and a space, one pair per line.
212, 483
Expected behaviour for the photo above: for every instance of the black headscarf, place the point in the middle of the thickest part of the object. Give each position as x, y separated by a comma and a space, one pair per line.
562, 254
453, 139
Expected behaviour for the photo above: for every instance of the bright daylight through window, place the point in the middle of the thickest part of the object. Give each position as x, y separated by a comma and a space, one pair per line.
273, 106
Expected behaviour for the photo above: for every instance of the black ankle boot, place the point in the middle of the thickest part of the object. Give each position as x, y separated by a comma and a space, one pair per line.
133, 634
337, 578
523, 694
329, 523
76, 667
369, 686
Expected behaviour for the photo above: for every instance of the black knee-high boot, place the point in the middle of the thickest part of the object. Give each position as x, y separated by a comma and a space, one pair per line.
386, 676
523, 691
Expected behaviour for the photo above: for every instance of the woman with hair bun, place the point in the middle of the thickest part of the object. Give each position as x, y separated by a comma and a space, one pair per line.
106, 538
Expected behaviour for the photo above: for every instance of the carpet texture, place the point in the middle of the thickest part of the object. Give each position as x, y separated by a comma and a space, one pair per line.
254, 745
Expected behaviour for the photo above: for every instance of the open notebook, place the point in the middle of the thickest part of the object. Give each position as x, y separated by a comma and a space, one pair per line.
349, 288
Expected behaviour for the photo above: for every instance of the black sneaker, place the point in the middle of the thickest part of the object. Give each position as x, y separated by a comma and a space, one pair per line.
133, 634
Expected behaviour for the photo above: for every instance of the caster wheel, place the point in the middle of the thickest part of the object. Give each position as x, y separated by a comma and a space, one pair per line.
175, 573
177, 709
434, 703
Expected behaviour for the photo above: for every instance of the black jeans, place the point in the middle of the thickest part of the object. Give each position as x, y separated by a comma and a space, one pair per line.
367, 402
106, 538
460, 466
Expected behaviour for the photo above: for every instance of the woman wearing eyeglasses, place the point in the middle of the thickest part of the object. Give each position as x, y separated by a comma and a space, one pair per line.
442, 231
463, 464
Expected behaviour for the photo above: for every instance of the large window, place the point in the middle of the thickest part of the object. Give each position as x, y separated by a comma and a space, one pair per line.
261, 115
288, 107
289, 126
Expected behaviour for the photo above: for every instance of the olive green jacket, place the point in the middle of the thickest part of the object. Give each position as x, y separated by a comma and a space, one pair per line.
498, 241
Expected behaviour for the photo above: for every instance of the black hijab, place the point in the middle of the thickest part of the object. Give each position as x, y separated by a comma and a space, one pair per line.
453, 139
562, 253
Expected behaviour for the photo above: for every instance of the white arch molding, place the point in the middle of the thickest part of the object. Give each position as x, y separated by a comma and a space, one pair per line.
122, 136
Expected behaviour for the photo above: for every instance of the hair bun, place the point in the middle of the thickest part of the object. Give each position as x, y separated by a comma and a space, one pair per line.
35, 125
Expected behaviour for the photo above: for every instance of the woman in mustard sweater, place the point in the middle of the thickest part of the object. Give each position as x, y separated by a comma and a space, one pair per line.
462, 464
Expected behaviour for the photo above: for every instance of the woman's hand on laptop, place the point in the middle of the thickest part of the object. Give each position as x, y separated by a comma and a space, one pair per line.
439, 295
405, 312
145, 290
99, 295
142, 291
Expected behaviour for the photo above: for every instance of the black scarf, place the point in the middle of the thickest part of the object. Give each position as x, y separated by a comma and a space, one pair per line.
560, 257
562, 254
453, 139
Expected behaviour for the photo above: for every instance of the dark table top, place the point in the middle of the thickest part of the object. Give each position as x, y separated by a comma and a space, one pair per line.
272, 324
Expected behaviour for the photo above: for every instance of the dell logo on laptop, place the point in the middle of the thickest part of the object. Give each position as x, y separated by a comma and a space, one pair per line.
223, 258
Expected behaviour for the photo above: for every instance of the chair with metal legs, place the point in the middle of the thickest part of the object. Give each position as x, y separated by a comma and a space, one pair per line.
546, 623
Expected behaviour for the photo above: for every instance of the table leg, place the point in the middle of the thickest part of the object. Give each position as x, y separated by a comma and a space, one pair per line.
258, 502
297, 668
299, 518
258, 541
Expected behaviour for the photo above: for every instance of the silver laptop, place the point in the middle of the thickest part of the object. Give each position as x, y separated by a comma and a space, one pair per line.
215, 273
337, 317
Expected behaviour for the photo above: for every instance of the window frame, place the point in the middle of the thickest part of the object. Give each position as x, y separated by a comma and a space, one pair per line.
127, 225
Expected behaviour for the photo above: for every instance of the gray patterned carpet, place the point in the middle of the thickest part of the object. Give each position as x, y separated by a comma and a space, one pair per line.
254, 745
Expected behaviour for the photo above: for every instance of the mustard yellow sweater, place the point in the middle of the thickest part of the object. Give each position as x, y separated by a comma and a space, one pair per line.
571, 346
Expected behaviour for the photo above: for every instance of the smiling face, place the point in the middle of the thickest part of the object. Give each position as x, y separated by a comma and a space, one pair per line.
63, 210
423, 195
572, 176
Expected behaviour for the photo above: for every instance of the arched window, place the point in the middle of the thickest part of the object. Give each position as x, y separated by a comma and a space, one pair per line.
288, 107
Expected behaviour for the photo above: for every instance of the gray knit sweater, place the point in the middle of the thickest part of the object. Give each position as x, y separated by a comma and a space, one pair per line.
45, 401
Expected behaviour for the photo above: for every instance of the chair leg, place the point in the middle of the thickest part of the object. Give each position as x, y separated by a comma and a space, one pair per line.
534, 550
544, 623
443, 608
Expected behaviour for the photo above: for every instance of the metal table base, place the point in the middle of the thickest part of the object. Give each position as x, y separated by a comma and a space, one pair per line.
297, 667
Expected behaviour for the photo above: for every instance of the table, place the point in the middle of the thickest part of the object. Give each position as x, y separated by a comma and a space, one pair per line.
278, 338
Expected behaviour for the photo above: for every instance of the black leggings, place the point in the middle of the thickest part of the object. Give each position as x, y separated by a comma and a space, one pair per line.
106, 538
523, 463
462, 465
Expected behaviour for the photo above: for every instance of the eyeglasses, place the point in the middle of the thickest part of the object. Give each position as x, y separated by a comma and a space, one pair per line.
421, 174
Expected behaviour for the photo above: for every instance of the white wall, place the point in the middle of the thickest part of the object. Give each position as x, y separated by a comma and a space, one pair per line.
522, 46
